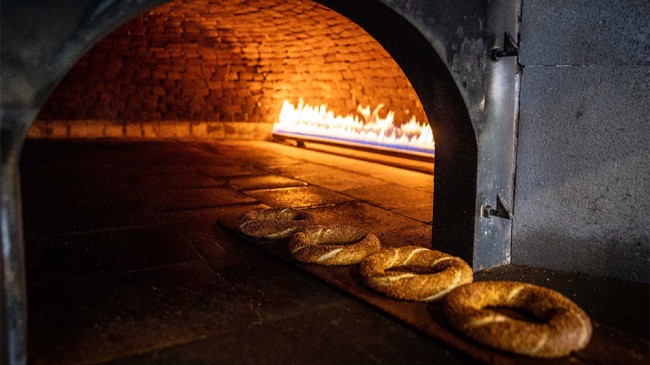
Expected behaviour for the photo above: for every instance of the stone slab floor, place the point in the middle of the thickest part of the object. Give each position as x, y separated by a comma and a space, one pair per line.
126, 264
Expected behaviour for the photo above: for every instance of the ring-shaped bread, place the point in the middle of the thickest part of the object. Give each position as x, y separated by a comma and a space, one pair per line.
565, 327
274, 223
333, 245
418, 274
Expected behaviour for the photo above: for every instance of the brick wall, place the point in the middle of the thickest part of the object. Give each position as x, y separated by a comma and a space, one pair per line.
192, 68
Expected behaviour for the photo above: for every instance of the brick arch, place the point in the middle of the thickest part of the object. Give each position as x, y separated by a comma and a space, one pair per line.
195, 62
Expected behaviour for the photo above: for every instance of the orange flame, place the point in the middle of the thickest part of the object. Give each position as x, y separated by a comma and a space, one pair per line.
372, 130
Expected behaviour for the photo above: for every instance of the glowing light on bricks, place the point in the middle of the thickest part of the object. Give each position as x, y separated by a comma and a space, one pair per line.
365, 128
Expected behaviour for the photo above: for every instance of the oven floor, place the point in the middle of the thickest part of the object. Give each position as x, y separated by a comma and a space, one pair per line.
126, 264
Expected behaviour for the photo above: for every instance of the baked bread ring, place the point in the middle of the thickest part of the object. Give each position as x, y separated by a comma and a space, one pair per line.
274, 223
333, 245
565, 326
427, 275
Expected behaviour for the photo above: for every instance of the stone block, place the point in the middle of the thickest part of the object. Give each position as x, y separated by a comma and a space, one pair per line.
209, 130
598, 32
174, 129
134, 130
39, 129
583, 153
94, 128
114, 130
58, 128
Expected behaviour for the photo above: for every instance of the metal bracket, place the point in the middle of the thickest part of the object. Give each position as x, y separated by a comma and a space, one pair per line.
501, 211
509, 49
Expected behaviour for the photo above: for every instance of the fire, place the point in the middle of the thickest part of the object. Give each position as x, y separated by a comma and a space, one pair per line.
367, 128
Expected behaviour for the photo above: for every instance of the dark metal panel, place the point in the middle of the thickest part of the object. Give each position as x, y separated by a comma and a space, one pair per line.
496, 136
13, 301
41, 40
463, 36
444, 103
457, 31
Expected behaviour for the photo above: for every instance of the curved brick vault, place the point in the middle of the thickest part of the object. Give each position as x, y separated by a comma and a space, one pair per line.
201, 68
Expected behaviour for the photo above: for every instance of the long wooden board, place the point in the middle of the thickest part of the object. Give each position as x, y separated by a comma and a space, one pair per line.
607, 346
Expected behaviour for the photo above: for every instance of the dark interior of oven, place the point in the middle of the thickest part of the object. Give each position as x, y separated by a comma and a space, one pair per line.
141, 132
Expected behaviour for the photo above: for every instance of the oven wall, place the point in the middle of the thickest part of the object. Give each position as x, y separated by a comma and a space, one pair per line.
194, 69
583, 172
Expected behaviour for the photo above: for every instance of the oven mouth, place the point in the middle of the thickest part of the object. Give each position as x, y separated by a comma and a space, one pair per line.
425, 89
122, 119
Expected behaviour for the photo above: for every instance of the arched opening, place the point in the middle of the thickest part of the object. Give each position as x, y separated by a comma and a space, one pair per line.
438, 95
221, 70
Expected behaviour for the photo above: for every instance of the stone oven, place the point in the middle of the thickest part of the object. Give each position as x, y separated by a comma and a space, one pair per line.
541, 131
